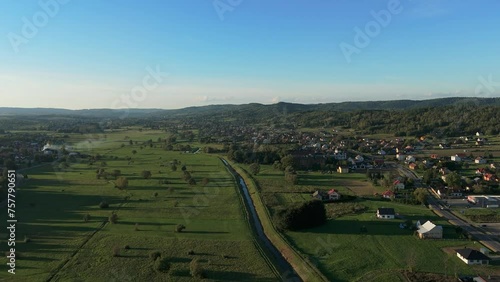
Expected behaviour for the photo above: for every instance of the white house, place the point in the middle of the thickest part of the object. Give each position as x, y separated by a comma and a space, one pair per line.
480, 160
456, 158
410, 159
386, 213
343, 169
359, 159
333, 195
400, 157
471, 256
429, 230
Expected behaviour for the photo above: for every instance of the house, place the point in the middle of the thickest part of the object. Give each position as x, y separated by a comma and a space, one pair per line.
359, 159
480, 160
434, 156
343, 169
333, 195
386, 213
320, 195
456, 158
410, 159
400, 157
412, 166
429, 230
398, 185
471, 256
489, 177
388, 194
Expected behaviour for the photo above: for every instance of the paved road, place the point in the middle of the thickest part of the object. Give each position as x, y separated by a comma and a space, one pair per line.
484, 239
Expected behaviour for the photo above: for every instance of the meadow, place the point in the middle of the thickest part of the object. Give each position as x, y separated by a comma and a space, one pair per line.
343, 252
55, 243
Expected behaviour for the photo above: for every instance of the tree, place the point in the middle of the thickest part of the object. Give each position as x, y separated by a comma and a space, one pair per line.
146, 174
134, 152
162, 264
287, 161
454, 180
195, 269
173, 167
254, 168
179, 228
205, 181
121, 182
420, 195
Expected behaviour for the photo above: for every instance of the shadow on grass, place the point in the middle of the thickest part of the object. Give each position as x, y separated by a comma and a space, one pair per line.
205, 232
234, 276
179, 260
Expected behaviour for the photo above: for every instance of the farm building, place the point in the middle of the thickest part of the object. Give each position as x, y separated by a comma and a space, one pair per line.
429, 230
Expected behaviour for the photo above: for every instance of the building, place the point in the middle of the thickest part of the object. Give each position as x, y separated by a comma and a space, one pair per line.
320, 195
429, 230
472, 257
333, 195
343, 169
386, 213
388, 194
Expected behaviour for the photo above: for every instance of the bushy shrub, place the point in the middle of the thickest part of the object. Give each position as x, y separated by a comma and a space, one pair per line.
162, 265
113, 218
86, 217
154, 255
179, 228
195, 269
116, 251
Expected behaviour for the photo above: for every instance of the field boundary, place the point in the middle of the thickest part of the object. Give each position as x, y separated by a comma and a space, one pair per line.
303, 268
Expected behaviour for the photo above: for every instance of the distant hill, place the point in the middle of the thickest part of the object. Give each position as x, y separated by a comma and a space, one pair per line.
255, 109
9, 111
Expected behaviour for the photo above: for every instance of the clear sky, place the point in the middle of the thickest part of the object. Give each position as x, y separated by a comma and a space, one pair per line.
117, 53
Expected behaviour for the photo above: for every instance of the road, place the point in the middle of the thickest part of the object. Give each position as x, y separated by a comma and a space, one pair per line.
485, 239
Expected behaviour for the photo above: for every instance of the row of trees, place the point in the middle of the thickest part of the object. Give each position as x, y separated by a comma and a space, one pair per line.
303, 215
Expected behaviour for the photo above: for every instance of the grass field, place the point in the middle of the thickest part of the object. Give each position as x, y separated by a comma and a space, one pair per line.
343, 253
52, 203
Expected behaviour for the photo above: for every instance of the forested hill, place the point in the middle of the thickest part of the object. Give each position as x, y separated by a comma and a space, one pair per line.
259, 109
283, 107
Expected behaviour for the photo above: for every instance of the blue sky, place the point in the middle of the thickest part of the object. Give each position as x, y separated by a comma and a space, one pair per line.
100, 54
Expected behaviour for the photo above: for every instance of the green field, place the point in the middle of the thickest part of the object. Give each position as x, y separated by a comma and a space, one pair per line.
339, 249
52, 203
343, 253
